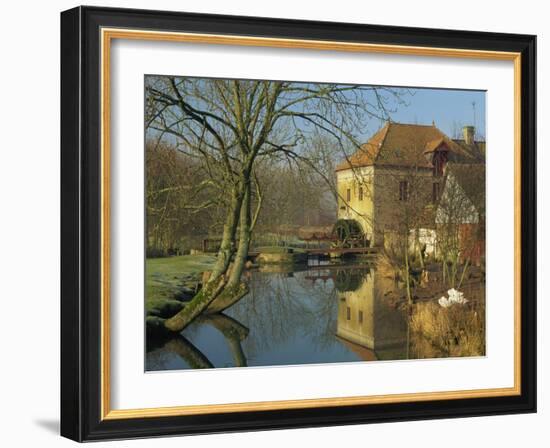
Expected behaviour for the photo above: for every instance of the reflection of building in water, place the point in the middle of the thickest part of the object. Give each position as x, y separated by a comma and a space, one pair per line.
368, 320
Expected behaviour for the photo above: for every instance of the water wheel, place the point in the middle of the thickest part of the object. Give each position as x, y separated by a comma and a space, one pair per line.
348, 232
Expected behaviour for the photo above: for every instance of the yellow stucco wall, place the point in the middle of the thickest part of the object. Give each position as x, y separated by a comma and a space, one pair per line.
356, 208
380, 211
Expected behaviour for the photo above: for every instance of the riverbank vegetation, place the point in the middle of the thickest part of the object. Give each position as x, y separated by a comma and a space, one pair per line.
438, 332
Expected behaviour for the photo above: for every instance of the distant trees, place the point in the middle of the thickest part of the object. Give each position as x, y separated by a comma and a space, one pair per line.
293, 197
183, 207
179, 200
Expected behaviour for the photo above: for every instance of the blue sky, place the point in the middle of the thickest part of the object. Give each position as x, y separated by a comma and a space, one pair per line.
448, 108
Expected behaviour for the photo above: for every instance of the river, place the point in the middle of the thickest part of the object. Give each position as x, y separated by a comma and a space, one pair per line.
318, 313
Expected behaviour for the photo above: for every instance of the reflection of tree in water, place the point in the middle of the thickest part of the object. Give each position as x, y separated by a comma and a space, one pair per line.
160, 351
274, 310
349, 279
157, 357
322, 322
281, 307
346, 310
161, 348
233, 331
188, 352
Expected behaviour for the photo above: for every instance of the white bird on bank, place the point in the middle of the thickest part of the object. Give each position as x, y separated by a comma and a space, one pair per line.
454, 297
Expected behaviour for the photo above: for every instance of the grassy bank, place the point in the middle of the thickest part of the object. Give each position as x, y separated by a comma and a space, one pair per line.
170, 280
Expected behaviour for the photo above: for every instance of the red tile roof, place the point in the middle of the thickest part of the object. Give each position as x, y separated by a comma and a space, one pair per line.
400, 144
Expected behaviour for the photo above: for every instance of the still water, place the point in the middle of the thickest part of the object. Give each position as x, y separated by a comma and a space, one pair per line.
319, 314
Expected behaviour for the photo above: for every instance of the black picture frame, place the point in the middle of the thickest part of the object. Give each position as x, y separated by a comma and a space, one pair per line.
81, 224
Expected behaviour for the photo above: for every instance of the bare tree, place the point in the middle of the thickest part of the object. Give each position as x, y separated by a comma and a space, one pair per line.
231, 125
179, 199
462, 206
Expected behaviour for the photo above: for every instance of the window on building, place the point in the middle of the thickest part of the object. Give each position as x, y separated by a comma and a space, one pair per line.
403, 190
348, 313
360, 317
435, 192
439, 164
348, 194
360, 193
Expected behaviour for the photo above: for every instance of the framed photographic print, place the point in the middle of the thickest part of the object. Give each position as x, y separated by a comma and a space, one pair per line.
271, 223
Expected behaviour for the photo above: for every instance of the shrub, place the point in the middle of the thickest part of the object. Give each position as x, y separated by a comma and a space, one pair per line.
448, 332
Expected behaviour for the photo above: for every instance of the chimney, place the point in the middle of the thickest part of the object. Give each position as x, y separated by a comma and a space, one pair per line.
468, 132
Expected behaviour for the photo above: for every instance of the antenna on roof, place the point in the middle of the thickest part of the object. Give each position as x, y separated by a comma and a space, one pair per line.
474, 108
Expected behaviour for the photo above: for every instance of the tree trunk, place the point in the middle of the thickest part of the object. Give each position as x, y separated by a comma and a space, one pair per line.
216, 288
196, 306
227, 246
244, 239
234, 283
229, 296
418, 248
408, 274
466, 264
